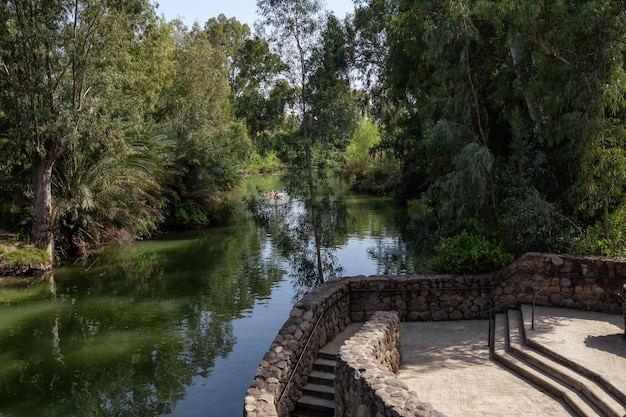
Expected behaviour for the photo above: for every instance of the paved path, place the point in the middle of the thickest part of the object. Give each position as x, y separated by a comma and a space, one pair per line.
448, 365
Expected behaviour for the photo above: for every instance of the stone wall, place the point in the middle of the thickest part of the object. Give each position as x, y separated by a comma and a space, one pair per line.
422, 298
587, 283
367, 365
314, 320
582, 283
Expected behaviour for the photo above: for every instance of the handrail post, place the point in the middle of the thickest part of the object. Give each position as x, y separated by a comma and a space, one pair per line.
532, 320
490, 342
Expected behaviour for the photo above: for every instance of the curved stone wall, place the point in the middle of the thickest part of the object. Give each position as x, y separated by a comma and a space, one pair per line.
313, 321
587, 283
367, 364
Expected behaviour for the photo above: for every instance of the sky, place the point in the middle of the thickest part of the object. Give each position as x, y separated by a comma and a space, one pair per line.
190, 11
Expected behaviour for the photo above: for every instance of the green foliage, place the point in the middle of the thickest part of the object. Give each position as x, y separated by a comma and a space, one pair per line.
468, 253
357, 158
381, 178
224, 211
533, 224
188, 214
314, 51
423, 223
259, 95
112, 194
607, 238
509, 112
260, 164
211, 145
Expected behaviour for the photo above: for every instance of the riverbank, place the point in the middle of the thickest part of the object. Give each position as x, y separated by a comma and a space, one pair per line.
19, 258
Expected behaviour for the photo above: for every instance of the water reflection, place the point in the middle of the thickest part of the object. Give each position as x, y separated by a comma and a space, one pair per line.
125, 334
169, 326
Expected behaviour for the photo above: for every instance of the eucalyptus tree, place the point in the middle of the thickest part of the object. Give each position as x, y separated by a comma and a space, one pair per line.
312, 45
504, 112
567, 62
47, 53
259, 94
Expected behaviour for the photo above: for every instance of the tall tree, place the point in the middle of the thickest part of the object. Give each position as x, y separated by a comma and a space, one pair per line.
211, 144
504, 112
46, 52
314, 54
260, 94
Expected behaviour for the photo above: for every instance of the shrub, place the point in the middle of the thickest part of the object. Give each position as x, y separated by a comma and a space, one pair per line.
381, 178
606, 238
467, 253
260, 164
189, 214
223, 211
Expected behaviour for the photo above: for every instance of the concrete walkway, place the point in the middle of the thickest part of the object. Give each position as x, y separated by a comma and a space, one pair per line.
448, 364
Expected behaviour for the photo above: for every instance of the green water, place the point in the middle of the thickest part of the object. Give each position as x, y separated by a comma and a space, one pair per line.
171, 326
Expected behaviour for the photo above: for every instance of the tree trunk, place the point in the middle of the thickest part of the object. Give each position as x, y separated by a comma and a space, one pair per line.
314, 223
515, 56
42, 201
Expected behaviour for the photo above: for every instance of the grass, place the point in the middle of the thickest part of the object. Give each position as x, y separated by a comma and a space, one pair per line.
15, 256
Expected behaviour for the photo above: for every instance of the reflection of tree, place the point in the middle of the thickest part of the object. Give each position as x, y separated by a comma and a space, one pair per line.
301, 238
391, 255
386, 226
126, 334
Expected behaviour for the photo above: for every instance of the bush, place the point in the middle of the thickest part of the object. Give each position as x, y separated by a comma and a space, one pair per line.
605, 238
381, 178
423, 224
260, 164
222, 211
467, 253
189, 214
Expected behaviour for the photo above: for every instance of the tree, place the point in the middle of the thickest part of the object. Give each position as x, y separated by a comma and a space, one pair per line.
260, 95
317, 69
47, 53
113, 194
211, 145
507, 113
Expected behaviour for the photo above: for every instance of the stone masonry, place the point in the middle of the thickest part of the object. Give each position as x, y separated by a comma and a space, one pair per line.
367, 365
586, 283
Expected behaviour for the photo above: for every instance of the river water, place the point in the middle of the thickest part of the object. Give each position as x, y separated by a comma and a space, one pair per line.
172, 326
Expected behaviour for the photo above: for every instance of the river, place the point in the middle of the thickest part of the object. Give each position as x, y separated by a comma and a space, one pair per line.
171, 326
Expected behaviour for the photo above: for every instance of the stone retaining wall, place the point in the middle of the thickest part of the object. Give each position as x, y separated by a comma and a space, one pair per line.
582, 283
367, 365
586, 283
314, 320
421, 298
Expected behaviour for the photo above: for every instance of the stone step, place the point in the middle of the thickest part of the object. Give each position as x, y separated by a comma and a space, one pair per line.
578, 403
327, 355
325, 365
591, 389
316, 404
303, 412
620, 395
320, 391
322, 378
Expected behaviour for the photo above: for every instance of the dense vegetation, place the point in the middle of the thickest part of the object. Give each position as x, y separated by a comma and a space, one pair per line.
507, 117
502, 124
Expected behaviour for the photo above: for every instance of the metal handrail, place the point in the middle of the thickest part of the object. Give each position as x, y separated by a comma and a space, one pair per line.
508, 303
306, 347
